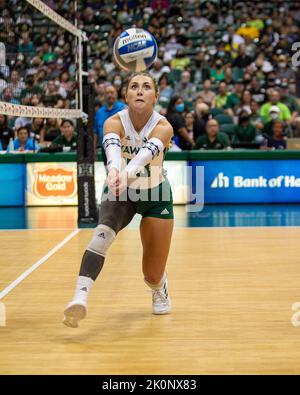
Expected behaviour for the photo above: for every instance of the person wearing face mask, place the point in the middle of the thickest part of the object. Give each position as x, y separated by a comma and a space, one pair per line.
245, 131
289, 100
217, 73
117, 82
282, 70
176, 119
274, 100
181, 61
274, 116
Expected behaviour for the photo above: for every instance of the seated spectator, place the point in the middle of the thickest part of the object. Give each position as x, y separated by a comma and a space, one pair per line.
296, 127
245, 102
23, 142
198, 21
189, 123
165, 89
289, 100
35, 128
274, 100
158, 69
282, 70
200, 119
245, 131
276, 140
6, 133
257, 91
207, 95
50, 131
235, 97
51, 95
185, 88
111, 107
68, 137
242, 60
16, 85
213, 139
174, 116
222, 96
217, 73
255, 117
274, 116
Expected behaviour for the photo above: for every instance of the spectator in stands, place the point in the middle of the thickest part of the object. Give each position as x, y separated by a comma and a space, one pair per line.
52, 95
282, 70
7, 96
50, 131
16, 85
118, 83
276, 140
35, 128
174, 116
200, 119
180, 61
217, 73
274, 100
213, 139
242, 60
23, 142
289, 100
6, 133
189, 123
235, 97
245, 102
111, 107
68, 137
207, 95
257, 91
30, 89
255, 117
296, 128
222, 96
245, 131
198, 21
159, 69
165, 89
26, 47
185, 88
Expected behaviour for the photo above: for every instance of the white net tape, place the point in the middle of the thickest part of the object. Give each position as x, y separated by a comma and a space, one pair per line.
17, 110
55, 17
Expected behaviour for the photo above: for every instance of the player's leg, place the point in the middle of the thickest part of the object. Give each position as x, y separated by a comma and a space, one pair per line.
156, 234
113, 217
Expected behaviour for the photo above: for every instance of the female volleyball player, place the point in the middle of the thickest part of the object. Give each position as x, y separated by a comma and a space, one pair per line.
135, 140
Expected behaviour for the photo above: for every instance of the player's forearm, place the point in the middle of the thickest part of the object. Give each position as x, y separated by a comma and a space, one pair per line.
146, 154
112, 148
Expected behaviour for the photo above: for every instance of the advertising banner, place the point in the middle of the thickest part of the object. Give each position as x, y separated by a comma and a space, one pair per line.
261, 181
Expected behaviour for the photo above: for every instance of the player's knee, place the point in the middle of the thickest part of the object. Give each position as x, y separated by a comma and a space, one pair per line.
102, 239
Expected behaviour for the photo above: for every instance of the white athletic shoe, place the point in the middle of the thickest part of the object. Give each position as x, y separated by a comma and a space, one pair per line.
75, 312
161, 303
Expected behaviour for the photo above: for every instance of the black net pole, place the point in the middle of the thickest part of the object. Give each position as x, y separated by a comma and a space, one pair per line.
87, 209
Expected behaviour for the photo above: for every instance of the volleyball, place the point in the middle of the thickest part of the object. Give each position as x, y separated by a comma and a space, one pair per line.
135, 50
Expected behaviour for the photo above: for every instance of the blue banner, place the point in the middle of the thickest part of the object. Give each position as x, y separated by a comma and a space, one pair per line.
12, 184
261, 181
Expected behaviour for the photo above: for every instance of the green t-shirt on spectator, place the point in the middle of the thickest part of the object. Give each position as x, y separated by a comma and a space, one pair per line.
284, 114
244, 133
221, 141
232, 101
221, 101
61, 140
218, 76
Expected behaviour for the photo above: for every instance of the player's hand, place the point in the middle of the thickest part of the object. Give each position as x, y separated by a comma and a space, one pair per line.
112, 180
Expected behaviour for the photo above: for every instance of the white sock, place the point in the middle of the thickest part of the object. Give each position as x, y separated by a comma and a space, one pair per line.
83, 287
159, 285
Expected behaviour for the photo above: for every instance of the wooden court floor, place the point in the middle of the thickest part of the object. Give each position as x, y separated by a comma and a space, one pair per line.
232, 291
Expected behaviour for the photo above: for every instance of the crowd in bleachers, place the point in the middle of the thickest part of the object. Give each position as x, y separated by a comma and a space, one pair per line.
230, 61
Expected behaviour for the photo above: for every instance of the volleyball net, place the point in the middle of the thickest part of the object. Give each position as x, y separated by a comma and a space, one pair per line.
43, 80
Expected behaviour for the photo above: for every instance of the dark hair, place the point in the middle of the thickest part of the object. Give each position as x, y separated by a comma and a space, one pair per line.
23, 127
171, 106
68, 121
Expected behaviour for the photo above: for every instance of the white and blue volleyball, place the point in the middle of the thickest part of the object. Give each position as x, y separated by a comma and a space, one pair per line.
135, 50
